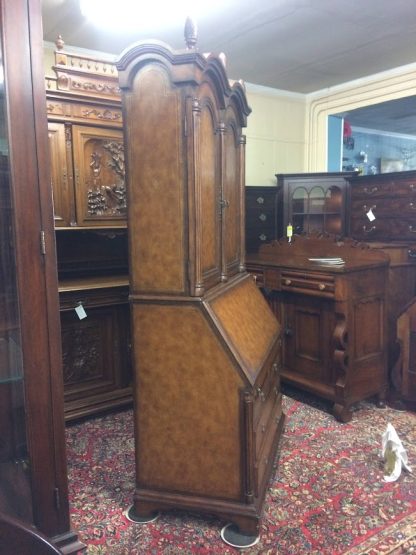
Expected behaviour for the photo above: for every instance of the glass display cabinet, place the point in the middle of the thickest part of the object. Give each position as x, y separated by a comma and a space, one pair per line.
314, 202
33, 475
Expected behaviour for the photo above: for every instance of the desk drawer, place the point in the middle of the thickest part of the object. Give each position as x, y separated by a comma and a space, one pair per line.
264, 390
313, 284
260, 432
264, 447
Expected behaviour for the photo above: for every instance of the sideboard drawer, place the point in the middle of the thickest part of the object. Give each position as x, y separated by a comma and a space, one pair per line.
308, 283
392, 228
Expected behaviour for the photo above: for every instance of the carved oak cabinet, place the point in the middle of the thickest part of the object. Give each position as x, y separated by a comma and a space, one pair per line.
206, 345
90, 209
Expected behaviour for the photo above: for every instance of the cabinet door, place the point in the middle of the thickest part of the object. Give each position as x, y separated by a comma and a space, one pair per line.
308, 327
96, 366
100, 191
15, 489
232, 195
207, 170
30, 362
314, 203
61, 175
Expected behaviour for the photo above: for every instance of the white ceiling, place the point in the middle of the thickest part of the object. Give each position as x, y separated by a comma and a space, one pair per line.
295, 45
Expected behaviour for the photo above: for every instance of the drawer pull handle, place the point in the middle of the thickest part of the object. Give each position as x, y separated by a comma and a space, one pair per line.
263, 217
275, 367
370, 191
411, 229
262, 237
263, 429
369, 229
412, 186
260, 200
288, 332
321, 286
288, 281
412, 206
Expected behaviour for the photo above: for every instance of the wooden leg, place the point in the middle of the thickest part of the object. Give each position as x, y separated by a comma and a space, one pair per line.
247, 526
381, 399
234, 536
342, 412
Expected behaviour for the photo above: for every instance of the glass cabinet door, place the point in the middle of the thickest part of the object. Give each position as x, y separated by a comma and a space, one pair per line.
299, 210
333, 210
316, 219
15, 490
33, 474
316, 209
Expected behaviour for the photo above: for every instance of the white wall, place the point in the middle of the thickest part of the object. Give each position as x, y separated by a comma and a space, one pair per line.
275, 134
388, 85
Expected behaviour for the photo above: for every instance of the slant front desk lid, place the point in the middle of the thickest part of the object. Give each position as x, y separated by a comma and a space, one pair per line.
246, 322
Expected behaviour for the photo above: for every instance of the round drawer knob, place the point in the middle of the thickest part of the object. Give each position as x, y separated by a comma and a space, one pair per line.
260, 200
321, 286
263, 217
288, 281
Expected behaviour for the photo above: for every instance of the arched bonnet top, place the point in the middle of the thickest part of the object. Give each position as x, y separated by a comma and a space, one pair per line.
185, 67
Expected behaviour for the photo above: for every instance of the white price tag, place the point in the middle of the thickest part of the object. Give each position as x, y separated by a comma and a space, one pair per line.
80, 311
370, 215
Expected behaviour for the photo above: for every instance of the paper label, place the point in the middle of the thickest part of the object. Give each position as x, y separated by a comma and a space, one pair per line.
370, 215
80, 312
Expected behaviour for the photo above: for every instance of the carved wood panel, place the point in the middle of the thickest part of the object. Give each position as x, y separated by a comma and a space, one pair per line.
100, 189
83, 113
95, 351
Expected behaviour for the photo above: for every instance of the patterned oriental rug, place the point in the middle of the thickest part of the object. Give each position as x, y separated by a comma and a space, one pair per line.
327, 495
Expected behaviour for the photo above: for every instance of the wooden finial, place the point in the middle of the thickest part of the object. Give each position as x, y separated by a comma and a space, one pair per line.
59, 42
190, 33
223, 58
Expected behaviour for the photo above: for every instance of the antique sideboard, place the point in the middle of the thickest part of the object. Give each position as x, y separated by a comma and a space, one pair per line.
85, 131
333, 315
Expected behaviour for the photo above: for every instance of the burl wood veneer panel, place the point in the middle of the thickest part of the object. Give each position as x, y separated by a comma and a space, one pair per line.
157, 171
247, 321
188, 411
210, 196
